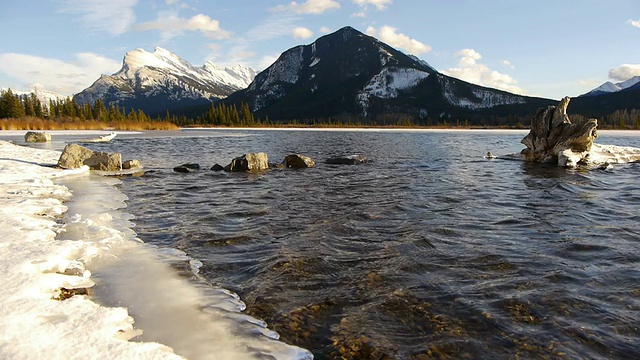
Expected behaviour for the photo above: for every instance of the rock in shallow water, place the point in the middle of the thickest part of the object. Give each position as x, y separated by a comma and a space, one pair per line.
217, 167
187, 168
75, 156
249, 162
131, 164
348, 160
298, 161
35, 136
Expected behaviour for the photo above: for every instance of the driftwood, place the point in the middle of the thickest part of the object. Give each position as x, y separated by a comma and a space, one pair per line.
554, 137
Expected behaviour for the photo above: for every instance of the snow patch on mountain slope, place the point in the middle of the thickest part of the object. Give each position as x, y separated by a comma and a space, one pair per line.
385, 56
388, 83
484, 99
390, 80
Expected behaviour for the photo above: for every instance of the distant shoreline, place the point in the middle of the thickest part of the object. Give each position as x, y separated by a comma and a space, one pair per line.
310, 128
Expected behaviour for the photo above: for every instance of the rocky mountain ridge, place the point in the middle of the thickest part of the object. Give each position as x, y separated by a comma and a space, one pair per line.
160, 81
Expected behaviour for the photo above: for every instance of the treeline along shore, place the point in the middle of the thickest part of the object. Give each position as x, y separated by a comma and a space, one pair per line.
27, 112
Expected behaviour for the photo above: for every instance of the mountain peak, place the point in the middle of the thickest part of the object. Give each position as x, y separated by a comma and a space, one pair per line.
610, 87
138, 58
348, 73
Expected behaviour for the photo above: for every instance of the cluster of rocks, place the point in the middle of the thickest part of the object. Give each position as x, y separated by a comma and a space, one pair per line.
253, 162
75, 156
260, 161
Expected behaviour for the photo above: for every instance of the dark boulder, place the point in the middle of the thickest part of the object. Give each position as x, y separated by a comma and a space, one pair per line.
217, 167
348, 160
298, 161
131, 164
187, 168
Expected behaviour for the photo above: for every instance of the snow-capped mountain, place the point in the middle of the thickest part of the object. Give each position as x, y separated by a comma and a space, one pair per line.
45, 96
610, 87
348, 73
160, 81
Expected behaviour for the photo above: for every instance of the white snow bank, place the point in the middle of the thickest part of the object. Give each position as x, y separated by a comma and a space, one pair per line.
35, 266
600, 155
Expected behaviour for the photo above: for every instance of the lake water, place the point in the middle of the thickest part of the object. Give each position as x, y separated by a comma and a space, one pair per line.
427, 251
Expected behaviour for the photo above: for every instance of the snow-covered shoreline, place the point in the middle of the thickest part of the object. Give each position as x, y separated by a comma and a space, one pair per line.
35, 267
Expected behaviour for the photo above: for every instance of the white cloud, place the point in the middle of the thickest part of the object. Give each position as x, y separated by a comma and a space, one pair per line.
635, 23
508, 64
273, 26
266, 61
64, 77
325, 30
624, 72
214, 47
360, 14
309, 6
389, 35
588, 83
379, 4
469, 69
170, 26
114, 16
302, 33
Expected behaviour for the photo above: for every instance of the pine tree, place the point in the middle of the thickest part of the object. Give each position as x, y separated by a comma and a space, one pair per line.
11, 105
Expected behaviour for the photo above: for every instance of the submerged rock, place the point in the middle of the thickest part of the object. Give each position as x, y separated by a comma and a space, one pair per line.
298, 161
217, 167
249, 162
554, 138
348, 160
187, 168
75, 156
36, 136
131, 164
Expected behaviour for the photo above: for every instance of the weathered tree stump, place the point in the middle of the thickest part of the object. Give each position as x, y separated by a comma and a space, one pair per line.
555, 138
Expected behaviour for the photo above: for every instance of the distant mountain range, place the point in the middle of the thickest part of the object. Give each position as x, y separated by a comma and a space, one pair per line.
609, 87
346, 74
45, 96
160, 81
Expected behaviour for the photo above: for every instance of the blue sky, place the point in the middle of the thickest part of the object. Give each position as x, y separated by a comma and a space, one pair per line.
539, 48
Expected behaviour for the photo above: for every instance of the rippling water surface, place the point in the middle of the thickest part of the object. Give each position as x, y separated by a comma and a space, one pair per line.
429, 250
